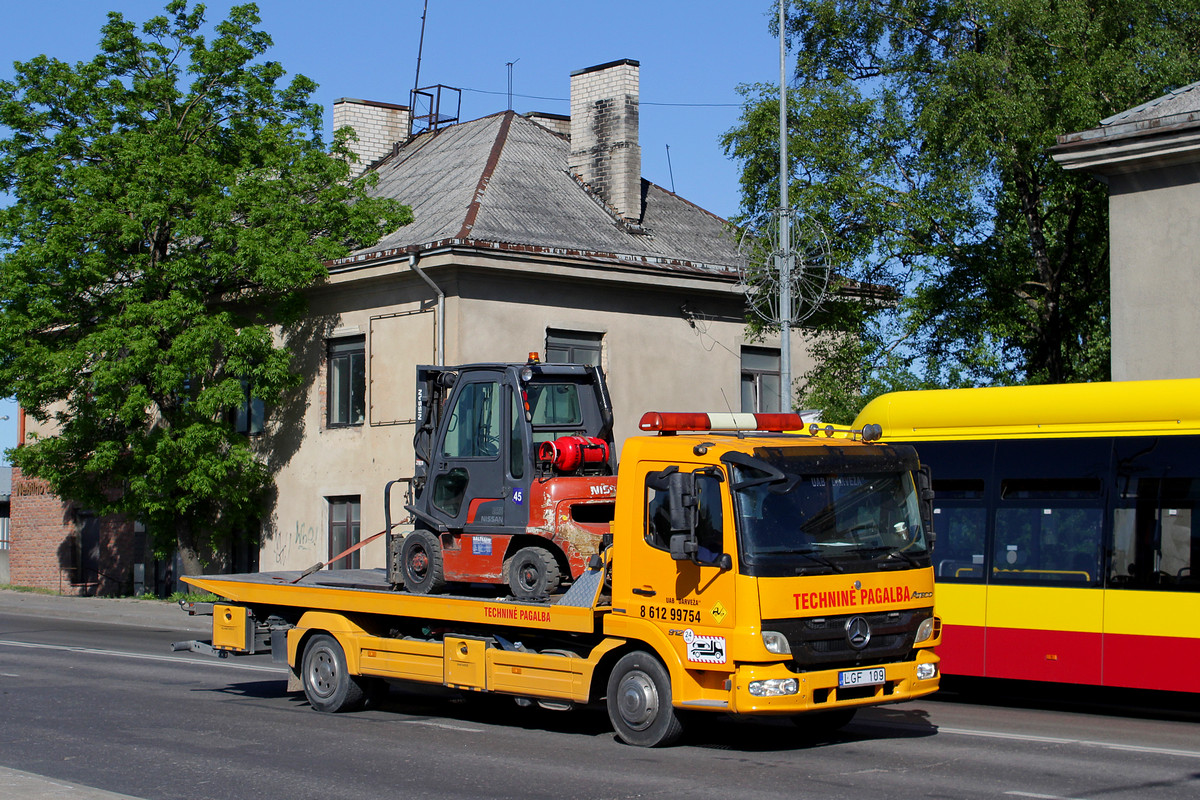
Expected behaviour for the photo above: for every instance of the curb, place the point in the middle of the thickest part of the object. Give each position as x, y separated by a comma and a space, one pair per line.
116, 611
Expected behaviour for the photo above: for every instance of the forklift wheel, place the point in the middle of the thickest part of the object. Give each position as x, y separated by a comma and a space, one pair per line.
532, 573
421, 562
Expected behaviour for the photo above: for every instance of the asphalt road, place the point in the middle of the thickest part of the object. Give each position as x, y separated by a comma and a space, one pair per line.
92, 701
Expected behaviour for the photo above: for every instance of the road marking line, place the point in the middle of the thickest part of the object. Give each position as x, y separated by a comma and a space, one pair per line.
1021, 737
1039, 796
142, 656
459, 728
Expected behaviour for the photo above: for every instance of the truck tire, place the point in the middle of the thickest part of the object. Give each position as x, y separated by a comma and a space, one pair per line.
421, 560
328, 685
639, 701
532, 572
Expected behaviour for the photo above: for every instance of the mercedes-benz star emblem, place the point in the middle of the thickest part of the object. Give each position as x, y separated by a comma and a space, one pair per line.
858, 632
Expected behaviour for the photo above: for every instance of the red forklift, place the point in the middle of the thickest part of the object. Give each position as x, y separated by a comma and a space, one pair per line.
515, 478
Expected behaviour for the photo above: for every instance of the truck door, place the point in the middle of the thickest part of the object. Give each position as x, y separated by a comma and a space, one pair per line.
692, 599
466, 475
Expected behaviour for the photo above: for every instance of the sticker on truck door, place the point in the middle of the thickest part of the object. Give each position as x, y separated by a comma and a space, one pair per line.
704, 649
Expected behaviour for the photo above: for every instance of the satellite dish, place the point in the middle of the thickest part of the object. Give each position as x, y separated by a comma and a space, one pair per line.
763, 263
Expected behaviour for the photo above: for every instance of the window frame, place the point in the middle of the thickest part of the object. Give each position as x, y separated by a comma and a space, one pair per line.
341, 414
344, 512
756, 376
574, 343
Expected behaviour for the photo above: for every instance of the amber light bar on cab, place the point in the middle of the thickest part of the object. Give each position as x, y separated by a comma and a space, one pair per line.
670, 422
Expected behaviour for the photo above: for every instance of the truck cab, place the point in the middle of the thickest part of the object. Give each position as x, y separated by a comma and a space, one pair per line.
774, 573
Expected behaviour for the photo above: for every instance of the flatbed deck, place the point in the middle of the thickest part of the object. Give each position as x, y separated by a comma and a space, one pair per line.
366, 591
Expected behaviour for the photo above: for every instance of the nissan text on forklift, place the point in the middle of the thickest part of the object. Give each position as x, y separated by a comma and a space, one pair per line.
726, 567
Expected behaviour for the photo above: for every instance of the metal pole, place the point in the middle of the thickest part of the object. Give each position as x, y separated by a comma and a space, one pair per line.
785, 233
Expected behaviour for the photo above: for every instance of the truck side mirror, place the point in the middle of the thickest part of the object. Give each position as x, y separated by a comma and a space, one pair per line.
683, 546
681, 503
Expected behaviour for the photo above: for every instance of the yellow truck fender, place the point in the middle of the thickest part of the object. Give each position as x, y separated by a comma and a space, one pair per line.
337, 625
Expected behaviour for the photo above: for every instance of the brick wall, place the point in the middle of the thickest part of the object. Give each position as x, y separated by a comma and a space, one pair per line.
378, 126
605, 153
44, 544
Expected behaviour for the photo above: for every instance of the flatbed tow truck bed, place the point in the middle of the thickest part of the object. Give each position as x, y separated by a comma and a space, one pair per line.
366, 591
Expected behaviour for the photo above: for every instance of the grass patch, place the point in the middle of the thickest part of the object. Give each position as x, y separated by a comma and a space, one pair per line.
193, 597
27, 589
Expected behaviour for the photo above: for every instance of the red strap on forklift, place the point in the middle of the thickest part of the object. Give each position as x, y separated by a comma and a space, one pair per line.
321, 565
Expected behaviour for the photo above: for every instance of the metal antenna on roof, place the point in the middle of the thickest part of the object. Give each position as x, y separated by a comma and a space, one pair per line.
420, 47
670, 171
509, 64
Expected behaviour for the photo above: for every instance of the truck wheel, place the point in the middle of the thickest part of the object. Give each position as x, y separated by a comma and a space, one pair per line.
532, 572
639, 701
328, 685
421, 560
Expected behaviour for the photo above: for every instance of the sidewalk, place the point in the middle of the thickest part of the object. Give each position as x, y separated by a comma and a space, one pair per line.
117, 611
27, 786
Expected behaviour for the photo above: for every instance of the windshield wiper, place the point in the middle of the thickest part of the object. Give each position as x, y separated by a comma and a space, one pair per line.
892, 552
825, 562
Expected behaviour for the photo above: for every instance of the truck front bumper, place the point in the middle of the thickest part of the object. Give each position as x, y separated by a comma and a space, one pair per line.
832, 688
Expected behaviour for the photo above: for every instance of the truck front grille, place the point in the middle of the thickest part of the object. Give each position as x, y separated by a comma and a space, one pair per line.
823, 642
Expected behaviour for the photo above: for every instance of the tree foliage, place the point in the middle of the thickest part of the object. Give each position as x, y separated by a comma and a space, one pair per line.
919, 135
171, 200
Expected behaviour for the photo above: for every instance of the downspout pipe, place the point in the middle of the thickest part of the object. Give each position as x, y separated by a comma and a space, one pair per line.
440, 315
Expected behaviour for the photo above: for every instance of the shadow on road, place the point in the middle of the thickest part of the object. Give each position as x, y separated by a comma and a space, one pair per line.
442, 706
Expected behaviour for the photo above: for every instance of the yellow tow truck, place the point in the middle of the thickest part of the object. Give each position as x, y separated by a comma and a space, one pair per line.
750, 571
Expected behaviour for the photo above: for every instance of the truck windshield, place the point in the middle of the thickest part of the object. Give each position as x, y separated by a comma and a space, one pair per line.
794, 522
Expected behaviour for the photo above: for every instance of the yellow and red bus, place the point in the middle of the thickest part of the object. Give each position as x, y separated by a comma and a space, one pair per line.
1068, 528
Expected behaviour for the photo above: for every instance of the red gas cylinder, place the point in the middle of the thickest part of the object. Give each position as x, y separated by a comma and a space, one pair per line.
569, 453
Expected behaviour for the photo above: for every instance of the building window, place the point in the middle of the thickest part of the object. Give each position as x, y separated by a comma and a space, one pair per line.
760, 379
347, 382
344, 530
573, 347
251, 414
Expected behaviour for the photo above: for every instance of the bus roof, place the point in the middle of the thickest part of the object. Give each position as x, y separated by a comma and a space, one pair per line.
1055, 410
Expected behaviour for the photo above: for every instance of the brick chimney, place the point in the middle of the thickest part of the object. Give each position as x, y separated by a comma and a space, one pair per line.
604, 134
378, 125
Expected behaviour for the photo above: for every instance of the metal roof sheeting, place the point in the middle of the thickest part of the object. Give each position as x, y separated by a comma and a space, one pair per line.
503, 180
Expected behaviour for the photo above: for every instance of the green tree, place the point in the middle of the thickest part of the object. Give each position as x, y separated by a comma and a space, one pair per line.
171, 201
919, 134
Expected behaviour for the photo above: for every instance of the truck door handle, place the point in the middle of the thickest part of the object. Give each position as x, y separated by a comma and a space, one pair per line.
645, 592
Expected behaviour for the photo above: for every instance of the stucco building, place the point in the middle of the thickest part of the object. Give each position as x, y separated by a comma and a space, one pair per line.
531, 233
1150, 158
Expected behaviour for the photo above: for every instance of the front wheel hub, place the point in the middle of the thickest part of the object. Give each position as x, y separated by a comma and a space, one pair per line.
637, 700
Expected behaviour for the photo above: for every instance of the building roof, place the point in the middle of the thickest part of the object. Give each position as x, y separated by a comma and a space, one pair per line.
502, 182
1160, 132
1184, 101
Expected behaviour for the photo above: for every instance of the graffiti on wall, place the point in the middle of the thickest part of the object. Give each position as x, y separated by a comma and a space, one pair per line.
305, 538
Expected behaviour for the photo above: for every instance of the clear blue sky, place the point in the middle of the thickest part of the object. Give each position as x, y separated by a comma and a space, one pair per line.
693, 54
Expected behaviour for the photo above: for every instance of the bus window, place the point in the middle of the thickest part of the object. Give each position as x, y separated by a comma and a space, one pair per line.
1047, 544
1156, 536
960, 548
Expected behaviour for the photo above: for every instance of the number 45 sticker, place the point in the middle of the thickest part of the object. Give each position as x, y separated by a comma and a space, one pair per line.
518, 495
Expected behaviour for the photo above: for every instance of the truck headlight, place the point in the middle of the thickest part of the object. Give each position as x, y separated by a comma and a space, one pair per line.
926, 671
774, 687
776, 643
924, 631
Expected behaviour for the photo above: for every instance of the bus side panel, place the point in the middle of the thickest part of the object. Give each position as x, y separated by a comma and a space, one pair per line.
1152, 640
1036, 655
964, 628
1045, 633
